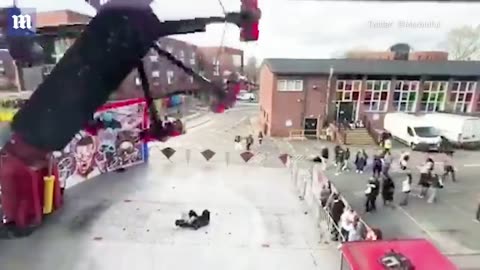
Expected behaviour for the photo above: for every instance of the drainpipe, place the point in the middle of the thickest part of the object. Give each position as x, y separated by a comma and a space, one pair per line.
304, 104
329, 89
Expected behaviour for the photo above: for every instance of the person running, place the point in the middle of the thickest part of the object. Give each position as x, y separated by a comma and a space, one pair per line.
360, 161
371, 194
388, 190
425, 177
406, 189
449, 168
387, 144
336, 152
404, 158
346, 160
436, 184
386, 163
238, 142
249, 142
377, 166
260, 137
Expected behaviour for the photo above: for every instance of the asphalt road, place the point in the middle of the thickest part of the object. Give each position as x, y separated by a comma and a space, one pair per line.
218, 135
449, 223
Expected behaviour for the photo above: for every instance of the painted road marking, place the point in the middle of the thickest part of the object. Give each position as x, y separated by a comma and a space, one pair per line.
471, 165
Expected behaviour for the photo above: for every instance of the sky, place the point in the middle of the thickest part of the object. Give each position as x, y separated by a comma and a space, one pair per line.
314, 29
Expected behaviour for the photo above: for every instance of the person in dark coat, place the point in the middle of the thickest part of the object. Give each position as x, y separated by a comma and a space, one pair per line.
377, 166
371, 193
388, 190
360, 162
249, 142
446, 146
336, 212
336, 152
346, 159
260, 137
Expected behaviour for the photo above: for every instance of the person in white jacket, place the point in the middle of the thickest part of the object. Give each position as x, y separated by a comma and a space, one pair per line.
406, 189
346, 222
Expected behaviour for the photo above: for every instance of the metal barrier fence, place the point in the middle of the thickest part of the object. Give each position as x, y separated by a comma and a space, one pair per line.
309, 182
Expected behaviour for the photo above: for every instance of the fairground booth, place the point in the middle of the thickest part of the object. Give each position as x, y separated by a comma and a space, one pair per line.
113, 146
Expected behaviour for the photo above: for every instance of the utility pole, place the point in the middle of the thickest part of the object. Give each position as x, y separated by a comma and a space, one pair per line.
329, 89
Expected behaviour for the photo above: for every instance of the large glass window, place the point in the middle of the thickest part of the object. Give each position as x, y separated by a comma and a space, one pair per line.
348, 90
290, 85
405, 95
433, 96
462, 96
376, 96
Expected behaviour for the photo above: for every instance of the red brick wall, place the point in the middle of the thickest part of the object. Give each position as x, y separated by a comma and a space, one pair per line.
265, 93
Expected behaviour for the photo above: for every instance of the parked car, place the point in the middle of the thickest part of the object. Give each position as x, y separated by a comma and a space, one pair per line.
245, 96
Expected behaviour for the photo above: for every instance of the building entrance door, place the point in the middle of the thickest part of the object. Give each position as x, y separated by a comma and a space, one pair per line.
310, 127
346, 112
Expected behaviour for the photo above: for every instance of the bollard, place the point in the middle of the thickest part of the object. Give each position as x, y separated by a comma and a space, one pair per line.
48, 185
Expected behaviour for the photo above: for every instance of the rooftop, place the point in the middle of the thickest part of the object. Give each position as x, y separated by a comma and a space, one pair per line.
372, 67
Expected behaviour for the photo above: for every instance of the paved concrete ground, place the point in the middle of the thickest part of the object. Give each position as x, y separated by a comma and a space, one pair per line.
125, 221
448, 223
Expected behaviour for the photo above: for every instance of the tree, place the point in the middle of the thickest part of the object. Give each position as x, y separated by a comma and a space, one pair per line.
356, 52
463, 43
251, 69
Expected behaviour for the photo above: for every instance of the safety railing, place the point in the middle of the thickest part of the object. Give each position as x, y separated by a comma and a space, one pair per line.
309, 182
297, 134
303, 134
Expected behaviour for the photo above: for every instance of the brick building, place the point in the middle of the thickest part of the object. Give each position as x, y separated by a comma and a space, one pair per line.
57, 30
389, 55
305, 93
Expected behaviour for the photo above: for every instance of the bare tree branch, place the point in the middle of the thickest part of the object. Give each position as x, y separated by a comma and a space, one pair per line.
464, 43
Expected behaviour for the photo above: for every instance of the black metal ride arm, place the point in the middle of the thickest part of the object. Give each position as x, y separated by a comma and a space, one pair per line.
110, 47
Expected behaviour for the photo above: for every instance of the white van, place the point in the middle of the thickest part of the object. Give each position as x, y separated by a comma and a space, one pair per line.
462, 130
412, 131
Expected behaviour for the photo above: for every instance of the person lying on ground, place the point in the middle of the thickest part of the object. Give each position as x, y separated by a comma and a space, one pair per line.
193, 220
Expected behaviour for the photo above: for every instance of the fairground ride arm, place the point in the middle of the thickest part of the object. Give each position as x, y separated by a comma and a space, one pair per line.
110, 47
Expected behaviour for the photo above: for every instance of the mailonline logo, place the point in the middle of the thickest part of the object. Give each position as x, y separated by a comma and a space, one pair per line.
21, 22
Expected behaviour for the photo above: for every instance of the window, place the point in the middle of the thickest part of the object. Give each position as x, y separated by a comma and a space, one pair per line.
2, 68
433, 96
410, 131
170, 75
181, 56
348, 90
137, 81
376, 96
191, 79
156, 74
290, 85
153, 58
405, 95
462, 96
103, 2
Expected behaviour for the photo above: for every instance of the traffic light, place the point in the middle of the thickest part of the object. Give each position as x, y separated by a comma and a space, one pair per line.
249, 28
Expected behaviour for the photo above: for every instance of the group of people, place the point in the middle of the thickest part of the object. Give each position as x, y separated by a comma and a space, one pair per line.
249, 141
347, 225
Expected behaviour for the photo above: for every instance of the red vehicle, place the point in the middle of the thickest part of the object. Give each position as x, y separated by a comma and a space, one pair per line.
407, 254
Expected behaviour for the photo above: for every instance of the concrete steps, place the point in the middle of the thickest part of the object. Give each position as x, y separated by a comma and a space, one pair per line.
359, 136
